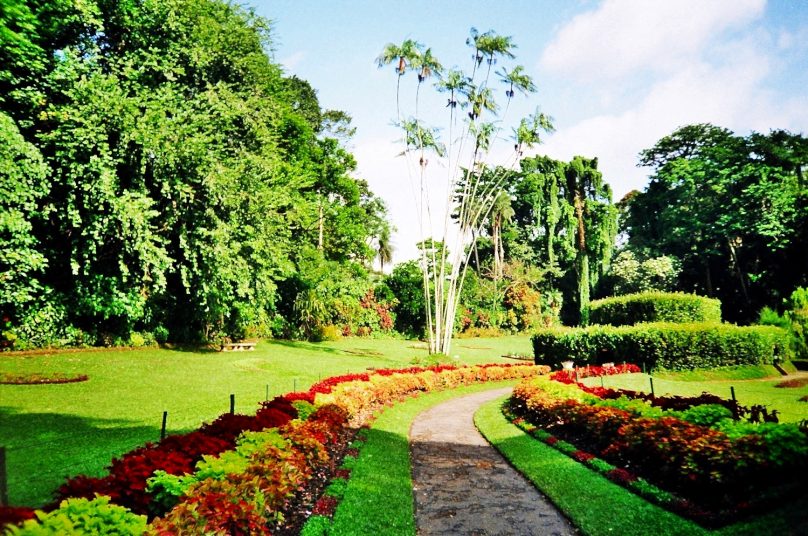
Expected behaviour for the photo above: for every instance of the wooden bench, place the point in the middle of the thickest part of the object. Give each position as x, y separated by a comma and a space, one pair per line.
237, 346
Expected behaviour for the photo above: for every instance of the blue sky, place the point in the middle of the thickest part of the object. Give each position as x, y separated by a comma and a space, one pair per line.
616, 75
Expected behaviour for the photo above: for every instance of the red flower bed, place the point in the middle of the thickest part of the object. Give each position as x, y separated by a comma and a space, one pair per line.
14, 515
273, 477
700, 463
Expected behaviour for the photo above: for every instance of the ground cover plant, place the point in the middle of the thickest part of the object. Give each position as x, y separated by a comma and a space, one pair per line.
761, 392
716, 465
121, 405
238, 488
601, 507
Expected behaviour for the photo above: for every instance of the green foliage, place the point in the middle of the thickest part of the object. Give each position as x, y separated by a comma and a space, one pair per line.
159, 170
304, 409
84, 516
654, 307
630, 274
564, 221
707, 414
662, 345
783, 444
732, 209
407, 284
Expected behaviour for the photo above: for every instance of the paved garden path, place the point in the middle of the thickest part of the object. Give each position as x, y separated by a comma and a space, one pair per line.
463, 486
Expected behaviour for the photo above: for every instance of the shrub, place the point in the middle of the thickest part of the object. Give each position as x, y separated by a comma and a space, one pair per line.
83, 516
328, 333
654, 307
661, 345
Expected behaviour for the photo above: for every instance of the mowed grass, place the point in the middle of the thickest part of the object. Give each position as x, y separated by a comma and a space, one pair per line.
378, 498
748, 392
54, 431
597, 506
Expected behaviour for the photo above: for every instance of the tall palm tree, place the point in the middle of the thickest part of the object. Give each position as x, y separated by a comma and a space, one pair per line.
501, 212
454, 82
405, 54
528, 133
426, 64
384, 250
517, 80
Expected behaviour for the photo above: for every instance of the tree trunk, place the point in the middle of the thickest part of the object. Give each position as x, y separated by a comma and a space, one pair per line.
320, 225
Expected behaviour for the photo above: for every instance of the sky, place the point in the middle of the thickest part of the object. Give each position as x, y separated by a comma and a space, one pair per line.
616, 76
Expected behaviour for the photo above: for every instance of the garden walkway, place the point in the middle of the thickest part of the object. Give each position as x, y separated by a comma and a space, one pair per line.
462, 485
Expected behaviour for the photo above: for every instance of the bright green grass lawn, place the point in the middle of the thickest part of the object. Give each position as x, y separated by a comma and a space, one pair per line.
54, 431
599, 507
748, 392
378, 498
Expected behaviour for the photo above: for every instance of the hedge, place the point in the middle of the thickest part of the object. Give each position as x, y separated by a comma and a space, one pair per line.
654, 307
667, 346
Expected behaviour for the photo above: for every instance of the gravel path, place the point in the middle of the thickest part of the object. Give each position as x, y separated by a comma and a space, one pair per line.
463, 486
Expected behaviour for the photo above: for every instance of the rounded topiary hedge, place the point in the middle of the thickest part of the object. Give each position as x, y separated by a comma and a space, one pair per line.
669, 346
654, 307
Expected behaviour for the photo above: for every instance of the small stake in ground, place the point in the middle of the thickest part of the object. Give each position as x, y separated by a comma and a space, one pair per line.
163, 427
232, 404
267, 397
652, 385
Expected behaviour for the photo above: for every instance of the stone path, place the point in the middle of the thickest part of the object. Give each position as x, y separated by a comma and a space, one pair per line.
463, 486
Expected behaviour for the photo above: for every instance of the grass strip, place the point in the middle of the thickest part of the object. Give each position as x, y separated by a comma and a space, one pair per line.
600, 507
378, 498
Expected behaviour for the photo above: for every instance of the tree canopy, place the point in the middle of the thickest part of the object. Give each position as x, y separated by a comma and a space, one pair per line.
732, 209
159, 169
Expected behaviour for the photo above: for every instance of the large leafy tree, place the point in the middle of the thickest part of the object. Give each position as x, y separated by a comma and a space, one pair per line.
563, 221
180, 164
733, 209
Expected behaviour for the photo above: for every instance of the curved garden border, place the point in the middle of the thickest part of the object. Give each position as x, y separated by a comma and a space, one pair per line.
596, 505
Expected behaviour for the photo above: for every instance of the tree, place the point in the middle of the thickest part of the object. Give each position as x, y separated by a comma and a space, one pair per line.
472, 196
166, 173
385, 249
732, 209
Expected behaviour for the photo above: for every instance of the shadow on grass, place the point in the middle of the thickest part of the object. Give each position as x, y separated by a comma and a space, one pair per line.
303, 345
43, 449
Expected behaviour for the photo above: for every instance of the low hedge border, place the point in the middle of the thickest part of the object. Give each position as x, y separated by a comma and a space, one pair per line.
666, 346
676, 307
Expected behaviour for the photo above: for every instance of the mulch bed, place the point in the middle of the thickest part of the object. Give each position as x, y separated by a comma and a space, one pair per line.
36, 378
796, 382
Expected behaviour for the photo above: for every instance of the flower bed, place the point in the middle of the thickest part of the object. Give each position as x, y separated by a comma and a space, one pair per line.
40, 378
253, 474
711, 467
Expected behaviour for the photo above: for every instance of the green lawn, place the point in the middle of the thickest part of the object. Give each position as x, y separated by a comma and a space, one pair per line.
53, 431
378, 498
748, 392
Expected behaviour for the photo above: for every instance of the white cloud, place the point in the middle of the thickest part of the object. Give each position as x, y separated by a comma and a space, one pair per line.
708, 61
624, 36
732, 95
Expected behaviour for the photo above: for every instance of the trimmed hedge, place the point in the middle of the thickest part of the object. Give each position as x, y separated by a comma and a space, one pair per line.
654, 307
662, 345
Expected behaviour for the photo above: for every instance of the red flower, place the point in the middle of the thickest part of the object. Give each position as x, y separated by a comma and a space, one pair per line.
325, 506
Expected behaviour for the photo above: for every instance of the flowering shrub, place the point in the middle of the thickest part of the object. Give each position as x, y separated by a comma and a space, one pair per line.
711, 467
212, 512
